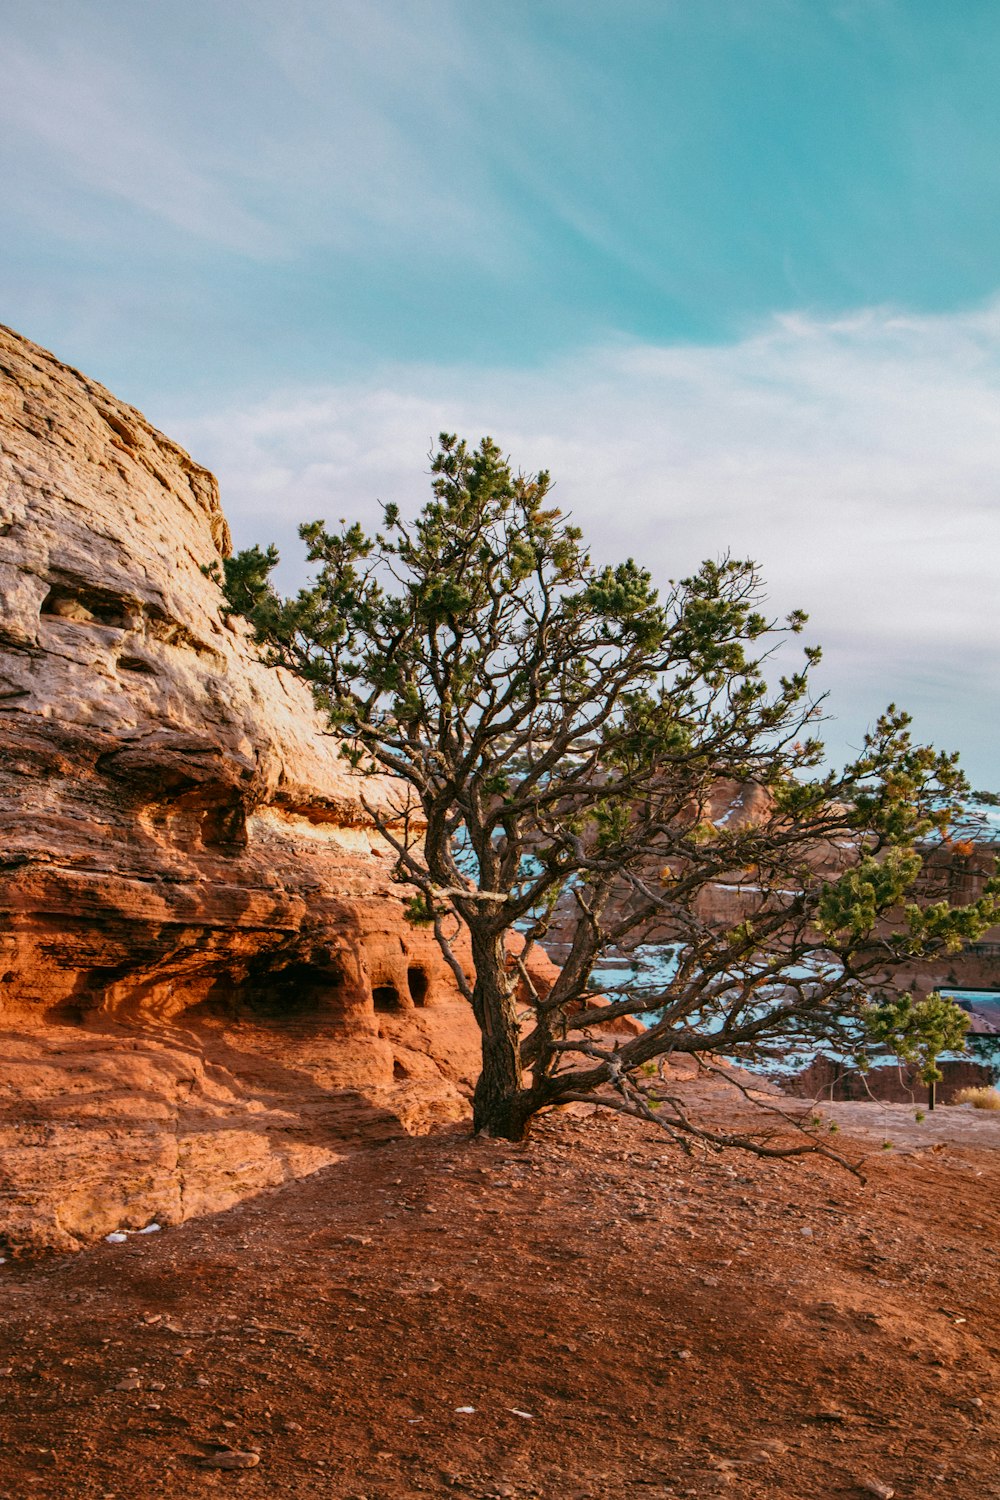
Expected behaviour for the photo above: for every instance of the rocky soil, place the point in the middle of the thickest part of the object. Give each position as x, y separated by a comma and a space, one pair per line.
588, 1315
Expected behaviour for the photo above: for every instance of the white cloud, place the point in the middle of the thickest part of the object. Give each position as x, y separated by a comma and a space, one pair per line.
91, 120
857, 459
273, 133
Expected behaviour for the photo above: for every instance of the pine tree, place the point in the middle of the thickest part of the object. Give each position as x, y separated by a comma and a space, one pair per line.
556, 731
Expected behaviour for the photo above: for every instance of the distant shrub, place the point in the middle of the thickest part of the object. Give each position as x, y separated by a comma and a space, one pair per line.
978, 1098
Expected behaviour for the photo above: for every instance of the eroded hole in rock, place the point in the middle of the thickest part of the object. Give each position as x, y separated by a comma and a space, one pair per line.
85, 606
68, 1013
326, 963
135, 664
416, 979
399, 1070
386, 997
296, 991
224, 825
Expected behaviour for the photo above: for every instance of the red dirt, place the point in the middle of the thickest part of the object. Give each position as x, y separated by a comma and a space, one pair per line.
625, 1322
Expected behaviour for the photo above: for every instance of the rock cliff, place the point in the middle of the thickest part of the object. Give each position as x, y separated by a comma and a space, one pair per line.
206, 983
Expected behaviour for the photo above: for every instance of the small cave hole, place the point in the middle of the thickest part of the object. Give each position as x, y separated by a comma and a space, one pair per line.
416, 979
295, 992
135, 664
398, 1069
224, 825
67, 1013
84, 607
386, 997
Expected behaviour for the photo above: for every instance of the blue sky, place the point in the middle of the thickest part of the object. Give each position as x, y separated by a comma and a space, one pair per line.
730, 268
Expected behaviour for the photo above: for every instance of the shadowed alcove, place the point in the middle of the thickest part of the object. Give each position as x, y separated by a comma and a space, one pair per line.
386, 997
418, 983
275, 992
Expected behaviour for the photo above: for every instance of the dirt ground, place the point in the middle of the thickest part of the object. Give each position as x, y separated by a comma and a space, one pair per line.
588, 1315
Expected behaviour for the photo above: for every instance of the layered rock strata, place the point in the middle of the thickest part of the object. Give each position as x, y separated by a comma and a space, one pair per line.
206, 980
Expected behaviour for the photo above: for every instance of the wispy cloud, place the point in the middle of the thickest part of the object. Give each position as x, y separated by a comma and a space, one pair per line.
857, 459
284, 131
90, 121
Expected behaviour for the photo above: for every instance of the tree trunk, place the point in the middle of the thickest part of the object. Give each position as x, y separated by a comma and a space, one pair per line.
498, 1106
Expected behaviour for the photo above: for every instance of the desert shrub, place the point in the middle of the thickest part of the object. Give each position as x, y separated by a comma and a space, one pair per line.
984, 1098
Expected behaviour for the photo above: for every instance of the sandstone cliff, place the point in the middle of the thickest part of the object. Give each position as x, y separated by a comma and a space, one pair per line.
206, 983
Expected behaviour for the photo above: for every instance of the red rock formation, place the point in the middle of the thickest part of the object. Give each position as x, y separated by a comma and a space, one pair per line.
206, 982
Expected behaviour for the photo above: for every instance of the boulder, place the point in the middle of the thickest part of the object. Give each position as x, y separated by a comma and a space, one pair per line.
207, 983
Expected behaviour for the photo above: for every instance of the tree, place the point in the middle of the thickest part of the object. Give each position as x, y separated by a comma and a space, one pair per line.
558, 734
919, 1031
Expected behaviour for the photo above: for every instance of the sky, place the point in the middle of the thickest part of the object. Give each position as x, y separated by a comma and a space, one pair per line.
730, 269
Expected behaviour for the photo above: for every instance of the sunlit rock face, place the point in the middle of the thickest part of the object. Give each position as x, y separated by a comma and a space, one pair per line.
206, 980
